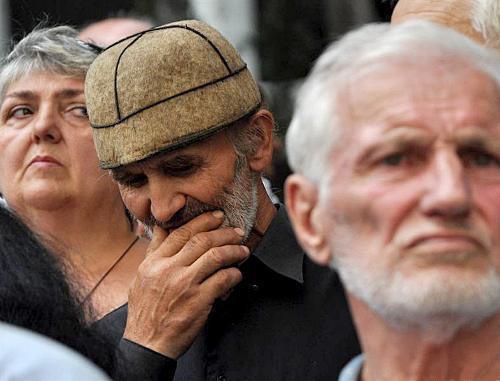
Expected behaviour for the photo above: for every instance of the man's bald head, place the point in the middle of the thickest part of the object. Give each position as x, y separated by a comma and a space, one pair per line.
477, 19
456, 14
108, 31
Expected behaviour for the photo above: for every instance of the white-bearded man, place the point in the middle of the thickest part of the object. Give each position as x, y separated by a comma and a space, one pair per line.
395, 145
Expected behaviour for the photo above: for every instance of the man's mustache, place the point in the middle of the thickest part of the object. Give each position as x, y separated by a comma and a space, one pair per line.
192, 209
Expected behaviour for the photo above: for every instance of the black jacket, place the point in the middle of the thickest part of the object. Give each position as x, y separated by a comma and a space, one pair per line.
287, 320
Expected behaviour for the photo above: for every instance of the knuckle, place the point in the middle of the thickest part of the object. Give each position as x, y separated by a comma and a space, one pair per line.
181, 234
154, 269
233, 275
217, 256
227, 279
220, 288
201, 240
144, 267
179, 282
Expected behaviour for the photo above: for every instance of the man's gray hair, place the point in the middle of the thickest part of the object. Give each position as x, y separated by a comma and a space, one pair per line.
316, 123
54, 50
486, 20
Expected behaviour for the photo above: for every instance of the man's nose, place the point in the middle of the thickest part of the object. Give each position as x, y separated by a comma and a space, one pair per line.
448, 191
165, 199
45, 125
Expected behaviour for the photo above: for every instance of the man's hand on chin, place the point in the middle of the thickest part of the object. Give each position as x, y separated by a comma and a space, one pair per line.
179, 280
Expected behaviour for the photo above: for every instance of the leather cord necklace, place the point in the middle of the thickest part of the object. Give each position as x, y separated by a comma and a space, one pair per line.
106, 273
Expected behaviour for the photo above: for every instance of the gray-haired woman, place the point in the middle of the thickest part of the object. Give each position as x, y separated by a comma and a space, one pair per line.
49, 169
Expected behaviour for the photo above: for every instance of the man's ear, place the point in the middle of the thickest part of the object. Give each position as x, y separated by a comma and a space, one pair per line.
301, 199
262, 123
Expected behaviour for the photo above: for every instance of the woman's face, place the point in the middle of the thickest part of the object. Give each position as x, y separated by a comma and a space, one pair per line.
47, 154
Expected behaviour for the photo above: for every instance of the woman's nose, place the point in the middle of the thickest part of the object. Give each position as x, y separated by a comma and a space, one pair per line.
45, 126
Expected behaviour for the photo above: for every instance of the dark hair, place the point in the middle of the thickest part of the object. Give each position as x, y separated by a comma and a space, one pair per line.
35, 294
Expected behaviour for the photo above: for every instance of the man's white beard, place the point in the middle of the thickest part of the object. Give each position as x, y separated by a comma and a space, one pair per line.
238, 201
427, 300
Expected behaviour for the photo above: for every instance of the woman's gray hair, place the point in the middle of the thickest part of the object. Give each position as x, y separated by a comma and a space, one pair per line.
54, 50
316, 123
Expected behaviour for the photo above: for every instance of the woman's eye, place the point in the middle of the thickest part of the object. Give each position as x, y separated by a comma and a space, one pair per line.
20, 112
80, 111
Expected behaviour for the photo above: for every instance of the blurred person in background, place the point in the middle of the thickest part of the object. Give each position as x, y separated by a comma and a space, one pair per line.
49, 171
396, 156
26, 355
105, 32
35, 295
477, 19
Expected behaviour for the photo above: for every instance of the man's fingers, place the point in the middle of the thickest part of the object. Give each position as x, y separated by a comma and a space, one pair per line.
218, 258
172, 243
159, 235
220, 283
199, 244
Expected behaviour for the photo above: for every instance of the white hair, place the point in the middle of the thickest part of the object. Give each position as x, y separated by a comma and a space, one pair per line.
485, 19
316, 123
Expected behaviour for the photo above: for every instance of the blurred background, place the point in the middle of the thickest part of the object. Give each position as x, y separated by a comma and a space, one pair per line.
279, 39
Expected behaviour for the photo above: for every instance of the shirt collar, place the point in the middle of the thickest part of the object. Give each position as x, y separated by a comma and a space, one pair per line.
352, 370
279, 249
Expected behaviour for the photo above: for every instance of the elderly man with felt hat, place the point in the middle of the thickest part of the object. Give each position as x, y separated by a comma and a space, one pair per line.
225, 292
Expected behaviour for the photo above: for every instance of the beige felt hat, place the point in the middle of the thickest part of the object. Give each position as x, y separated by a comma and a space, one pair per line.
164, 88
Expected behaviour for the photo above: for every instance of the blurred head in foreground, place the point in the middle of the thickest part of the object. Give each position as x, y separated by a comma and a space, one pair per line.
107, 31
396, 157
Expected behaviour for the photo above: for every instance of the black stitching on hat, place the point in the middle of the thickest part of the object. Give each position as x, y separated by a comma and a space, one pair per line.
135, 37
121, 120
117, 102
214, 47
184, 141
223, 59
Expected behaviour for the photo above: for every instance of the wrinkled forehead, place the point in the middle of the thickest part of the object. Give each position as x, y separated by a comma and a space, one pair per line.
374, 88
34, 84
20, 76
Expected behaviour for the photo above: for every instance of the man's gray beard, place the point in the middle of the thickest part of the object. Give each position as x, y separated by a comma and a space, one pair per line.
423, 301
238, 202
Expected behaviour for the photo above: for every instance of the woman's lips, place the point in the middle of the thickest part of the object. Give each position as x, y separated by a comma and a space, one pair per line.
45, 161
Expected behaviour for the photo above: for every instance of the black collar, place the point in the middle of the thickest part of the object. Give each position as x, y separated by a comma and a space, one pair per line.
279, 250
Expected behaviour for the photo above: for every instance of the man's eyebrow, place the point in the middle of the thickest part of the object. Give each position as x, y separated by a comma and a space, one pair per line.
479, 141
172, 163
180, 160
398, 140
120, 174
